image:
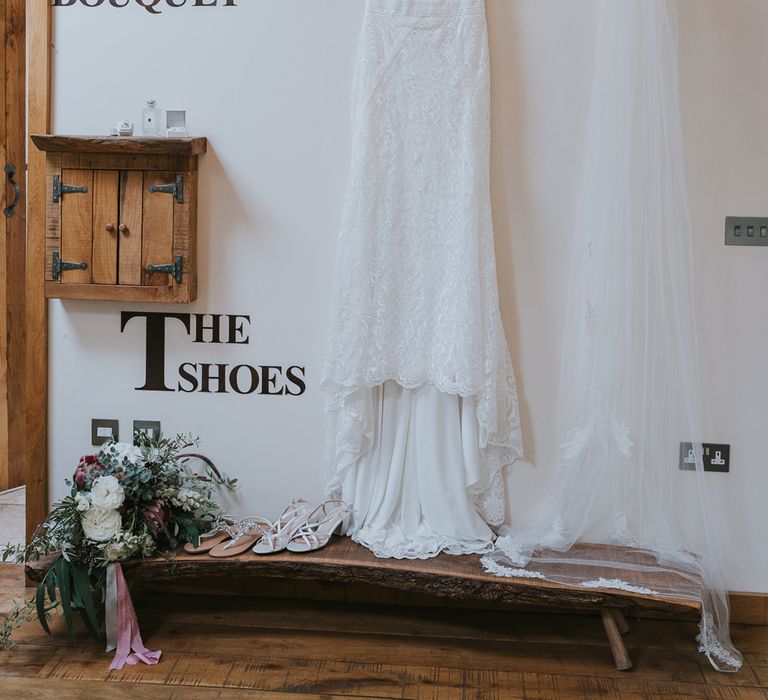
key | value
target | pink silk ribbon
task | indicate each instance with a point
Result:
(123, 632)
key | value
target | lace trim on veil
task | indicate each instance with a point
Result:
(709, 642)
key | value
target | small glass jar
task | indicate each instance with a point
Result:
(150, 123)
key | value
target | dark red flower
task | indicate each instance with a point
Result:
(86, 465)
(156, 515)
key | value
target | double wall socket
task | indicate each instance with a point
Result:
(151, 428)
(716, 457)
(103, 429)
(746, 230)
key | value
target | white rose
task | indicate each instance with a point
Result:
(101, 525)
(83, 501)
(122, 452)
(107, 493)
(114, 550)
(127, 452)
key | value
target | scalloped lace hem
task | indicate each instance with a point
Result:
(391, 545)
(349, 437)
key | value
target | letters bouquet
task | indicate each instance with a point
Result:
(127, 501)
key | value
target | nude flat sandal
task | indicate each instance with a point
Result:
(223, 528)
(249, 530)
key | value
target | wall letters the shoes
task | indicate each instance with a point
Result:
(208, 378)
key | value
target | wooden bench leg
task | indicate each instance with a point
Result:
(619, 651)
(621, 621)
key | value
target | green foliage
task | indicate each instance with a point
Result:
(162, 503)
(68, 588)
(20, 615)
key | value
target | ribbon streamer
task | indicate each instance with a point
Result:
(123, 632)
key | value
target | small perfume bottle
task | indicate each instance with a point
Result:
(150, 123)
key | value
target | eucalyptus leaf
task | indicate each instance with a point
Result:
(82, 583)
(40, 602)
(65, 593)
(50, 582)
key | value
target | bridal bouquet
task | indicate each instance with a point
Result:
(126, 501)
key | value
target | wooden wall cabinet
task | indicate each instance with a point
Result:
(121, 217)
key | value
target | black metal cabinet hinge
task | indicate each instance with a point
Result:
(59, 189)
(175, 268)
(176, 189)
(60, 265)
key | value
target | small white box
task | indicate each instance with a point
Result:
(175, 122)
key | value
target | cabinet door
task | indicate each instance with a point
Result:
(105, 226)
(131, 215)
(77, 225)
(157, 228)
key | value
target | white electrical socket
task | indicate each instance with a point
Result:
(104, 429)
(715, 456)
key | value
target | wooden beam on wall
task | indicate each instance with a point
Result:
(5, 450)
(15, 115)
(39, 33)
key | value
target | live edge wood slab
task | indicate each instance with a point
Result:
(139, 145)
(445, 576)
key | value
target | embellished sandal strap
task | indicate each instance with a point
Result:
(222, 523)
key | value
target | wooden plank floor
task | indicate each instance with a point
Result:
(274, 648)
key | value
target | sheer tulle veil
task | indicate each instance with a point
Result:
(630, 385)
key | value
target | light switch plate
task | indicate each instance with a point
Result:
(746, 230)
(150, 427)
(103, 429)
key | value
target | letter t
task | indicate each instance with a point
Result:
(155, 353)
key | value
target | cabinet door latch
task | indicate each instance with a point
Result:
(60, 265)
(10, 172)
(174, 268)
(176, 189)
(60, 189)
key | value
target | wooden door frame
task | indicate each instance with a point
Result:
(39, 42)
(12, 243)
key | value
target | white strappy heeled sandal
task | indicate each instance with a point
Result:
(276, 539)
(331, 517)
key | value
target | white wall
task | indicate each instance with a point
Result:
(268, 82)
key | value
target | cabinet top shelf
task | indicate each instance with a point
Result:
(156, 145)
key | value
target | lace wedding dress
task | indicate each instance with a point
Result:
(629, 401)
(421, 394)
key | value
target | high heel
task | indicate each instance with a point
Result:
(248, 531)
(329, 518)
(276, 539)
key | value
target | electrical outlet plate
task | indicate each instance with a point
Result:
(746, 230)
(103, 429)
(151, 427)
(716, 457)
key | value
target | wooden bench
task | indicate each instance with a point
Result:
(444, 578)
